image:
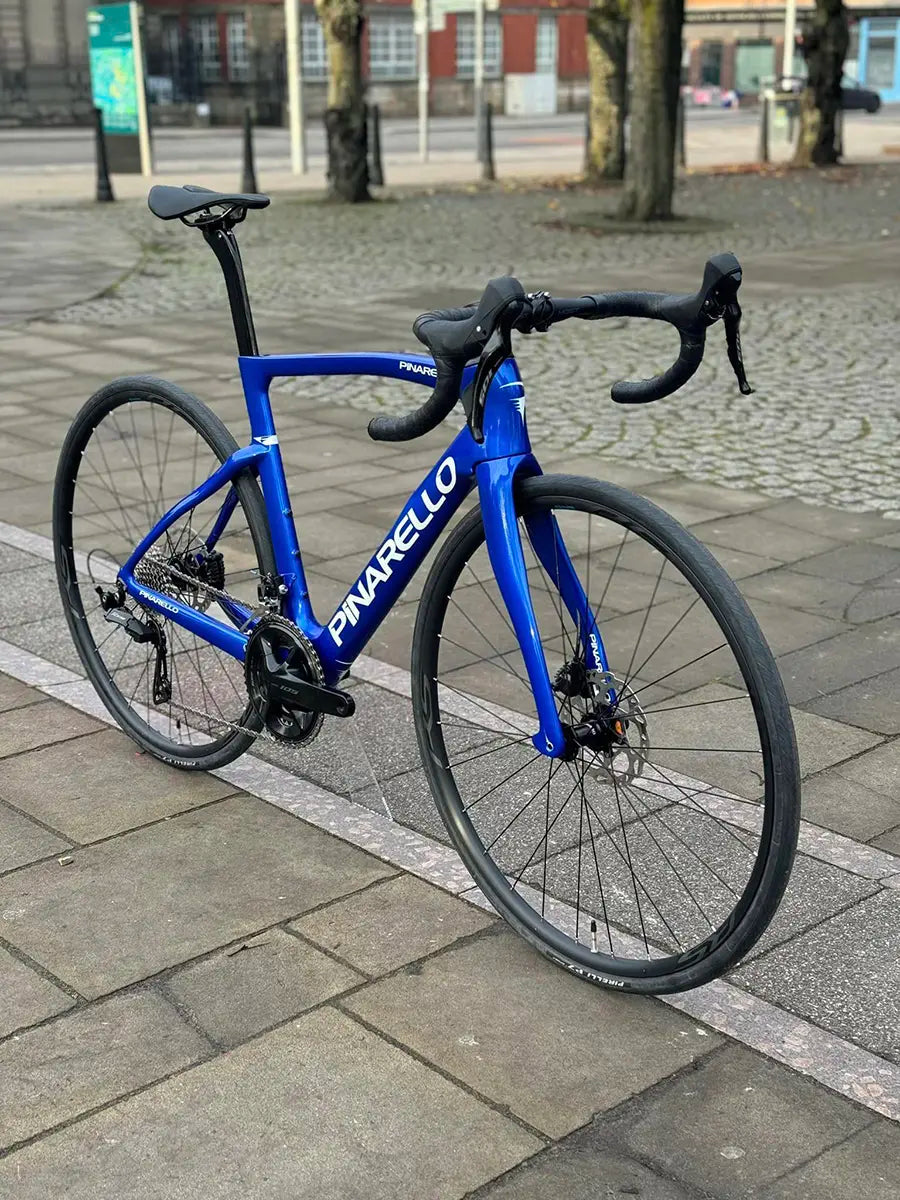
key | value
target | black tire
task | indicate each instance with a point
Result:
(777, 802)
(106, 486)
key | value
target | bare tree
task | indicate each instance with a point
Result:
(607, 54)
(656, 79)
(345, 116)
(825, 41)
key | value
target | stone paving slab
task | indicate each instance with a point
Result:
(77, 786)
(577, 1170)
(21, 840)
(889, 841)
(87, 1058)
(27, 996)
(733, 1125)
(860, 563)
(866, 1164)
(390, 924)
(319, 1110)
(873, 703)
(832, 800)
(12, 559)
(837, 663)
(22, 730)
(509, 1024)
(256, 984)
(818, 975)
(179, 888)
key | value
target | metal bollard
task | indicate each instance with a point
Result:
(248, 178)
(487, 142)
(104, 183)
(376, 167)
(680, 155)
(839, 132)
(763, 153)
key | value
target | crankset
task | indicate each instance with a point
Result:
(286, 684)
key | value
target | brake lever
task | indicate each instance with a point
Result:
(732, 320)
(536, 315)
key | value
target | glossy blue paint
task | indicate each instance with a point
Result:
(495, 489)
(494, 463)
(549, 546)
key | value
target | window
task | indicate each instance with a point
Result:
(882, 52)
(170, 41)
(314, 60)
(753, 62)
(392, 46)
(545, 45)
(205, 36)
(710, 64)
(465, 44)
(238, 52)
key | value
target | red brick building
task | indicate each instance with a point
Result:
(224, 53)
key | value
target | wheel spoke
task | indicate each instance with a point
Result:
(642, 857)
(120, 480)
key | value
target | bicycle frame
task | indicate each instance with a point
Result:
(492, 464)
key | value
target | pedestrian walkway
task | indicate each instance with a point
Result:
(206, 995)
(728, 141)
(258, 983)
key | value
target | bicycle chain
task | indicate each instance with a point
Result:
(220, 594)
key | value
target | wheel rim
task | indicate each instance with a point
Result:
(665, 862)
(136, 459)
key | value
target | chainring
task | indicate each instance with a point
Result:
(294, 649)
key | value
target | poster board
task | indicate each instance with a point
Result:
(117, 85)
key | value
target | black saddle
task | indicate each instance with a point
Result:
(170, 202)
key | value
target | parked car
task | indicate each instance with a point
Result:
(855, 96)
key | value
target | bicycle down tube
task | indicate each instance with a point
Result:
(492, 464)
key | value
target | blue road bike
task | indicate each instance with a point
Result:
(599, 720)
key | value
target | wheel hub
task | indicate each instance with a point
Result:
(613, 728)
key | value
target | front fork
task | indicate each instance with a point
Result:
(496, 482)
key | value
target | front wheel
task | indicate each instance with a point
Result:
(650, 860)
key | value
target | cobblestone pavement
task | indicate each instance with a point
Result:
(202, 1042)
(819, 332)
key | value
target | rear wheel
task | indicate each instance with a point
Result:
(136, 448)
(650, 861)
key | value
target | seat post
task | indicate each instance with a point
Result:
(220, 236)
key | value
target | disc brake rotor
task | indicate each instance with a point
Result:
(625, 760)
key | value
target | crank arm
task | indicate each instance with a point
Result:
(314, 697)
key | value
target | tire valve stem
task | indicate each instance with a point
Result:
(593, 936)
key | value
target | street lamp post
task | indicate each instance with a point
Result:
(790, 30)
(422, 19)
(478, 76)
(295, 86)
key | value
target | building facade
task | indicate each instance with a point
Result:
(207, 59)
(731, 45)
(226, 53)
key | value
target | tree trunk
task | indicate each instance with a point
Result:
(825, 43)
(345, 116)
(656, 80)
(607, 54)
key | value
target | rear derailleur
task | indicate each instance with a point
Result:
(146, 629)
